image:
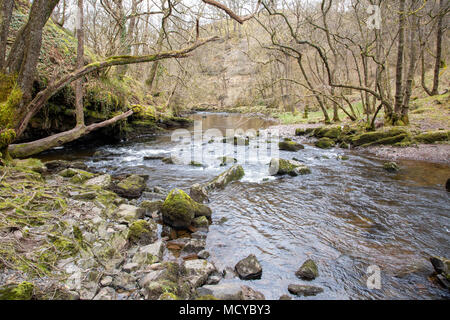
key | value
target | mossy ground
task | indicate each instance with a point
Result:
(34, 232)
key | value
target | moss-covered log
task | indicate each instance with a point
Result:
(28, 149)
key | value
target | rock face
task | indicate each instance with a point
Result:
(131, 187)
(249, 268)
(179, 210)
(291, 167)
(198, 193)
(447, 185)
(290, 146)
(304, 290)
(308, 271)
(235, 173)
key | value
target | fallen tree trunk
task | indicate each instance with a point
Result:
(31, 148)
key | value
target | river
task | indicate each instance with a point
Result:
(346, 215)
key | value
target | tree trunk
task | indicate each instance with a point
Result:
(440, 32)
(28, 149)
(7, 7)
(400, 58)
(412, 67)
(79, 107)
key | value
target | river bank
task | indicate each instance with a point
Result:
(436, 153)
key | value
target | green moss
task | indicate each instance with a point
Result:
(325, 143)
(371, 137)
(168, 296)
(178, 209)
(206, 297)
(389, 140)
(290, 146)
(433, 136)
(23, 291)
(138, 230)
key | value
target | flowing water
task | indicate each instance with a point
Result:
(346, 215)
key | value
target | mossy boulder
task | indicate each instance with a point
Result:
(235, 173)
(325, 143)
(22, 291)
(179, 209)
(328, 132)
(432, 136)
(379, 137)
(142, 232)
(308, 271)
(293, 168)
(290, 146)
(131, 187)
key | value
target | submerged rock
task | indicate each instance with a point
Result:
(179, 209)
(199, 194)
(131, 187)
(249, 268)
(391, 167)
(304, 290)
(291, 167)
(235, 173)
(290, 146)
(308, 271)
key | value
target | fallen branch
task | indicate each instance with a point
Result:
(28, 149)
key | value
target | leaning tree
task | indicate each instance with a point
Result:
(18, 69)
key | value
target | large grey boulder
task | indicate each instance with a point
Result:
(249, 268)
